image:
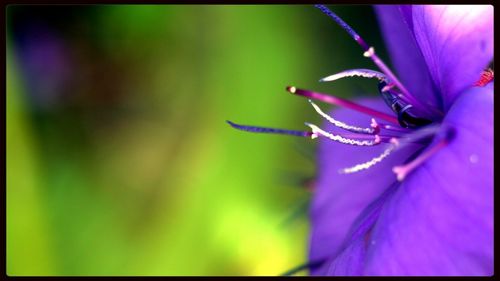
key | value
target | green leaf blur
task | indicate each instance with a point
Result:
(122, 163)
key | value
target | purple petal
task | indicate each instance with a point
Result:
(397, 29)
(457, 44)
(340, 198)
(440, 220)
(350, 260)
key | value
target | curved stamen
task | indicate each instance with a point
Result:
(256, 129)
(366, 73)
(340, 124)
(316, 131)
(369, 52)
(387, 71)
(342, 102)
(373, 161)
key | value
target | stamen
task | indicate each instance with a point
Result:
(378, 159)
(366, 73)
(256, 129)
(342, 102)
(486, 77)
(369, 52)
(403, 170)
(405, 94)
(316, 131)
(340, 124)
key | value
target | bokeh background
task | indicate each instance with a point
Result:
(119, 159)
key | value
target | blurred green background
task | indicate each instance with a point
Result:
(119, 159)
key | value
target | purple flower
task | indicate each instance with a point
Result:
(405, 184)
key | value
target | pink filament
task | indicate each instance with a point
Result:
(342, 102)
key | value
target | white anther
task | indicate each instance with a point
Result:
(316, 131)
(366, 73)
(370, 52)
(340, 124)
